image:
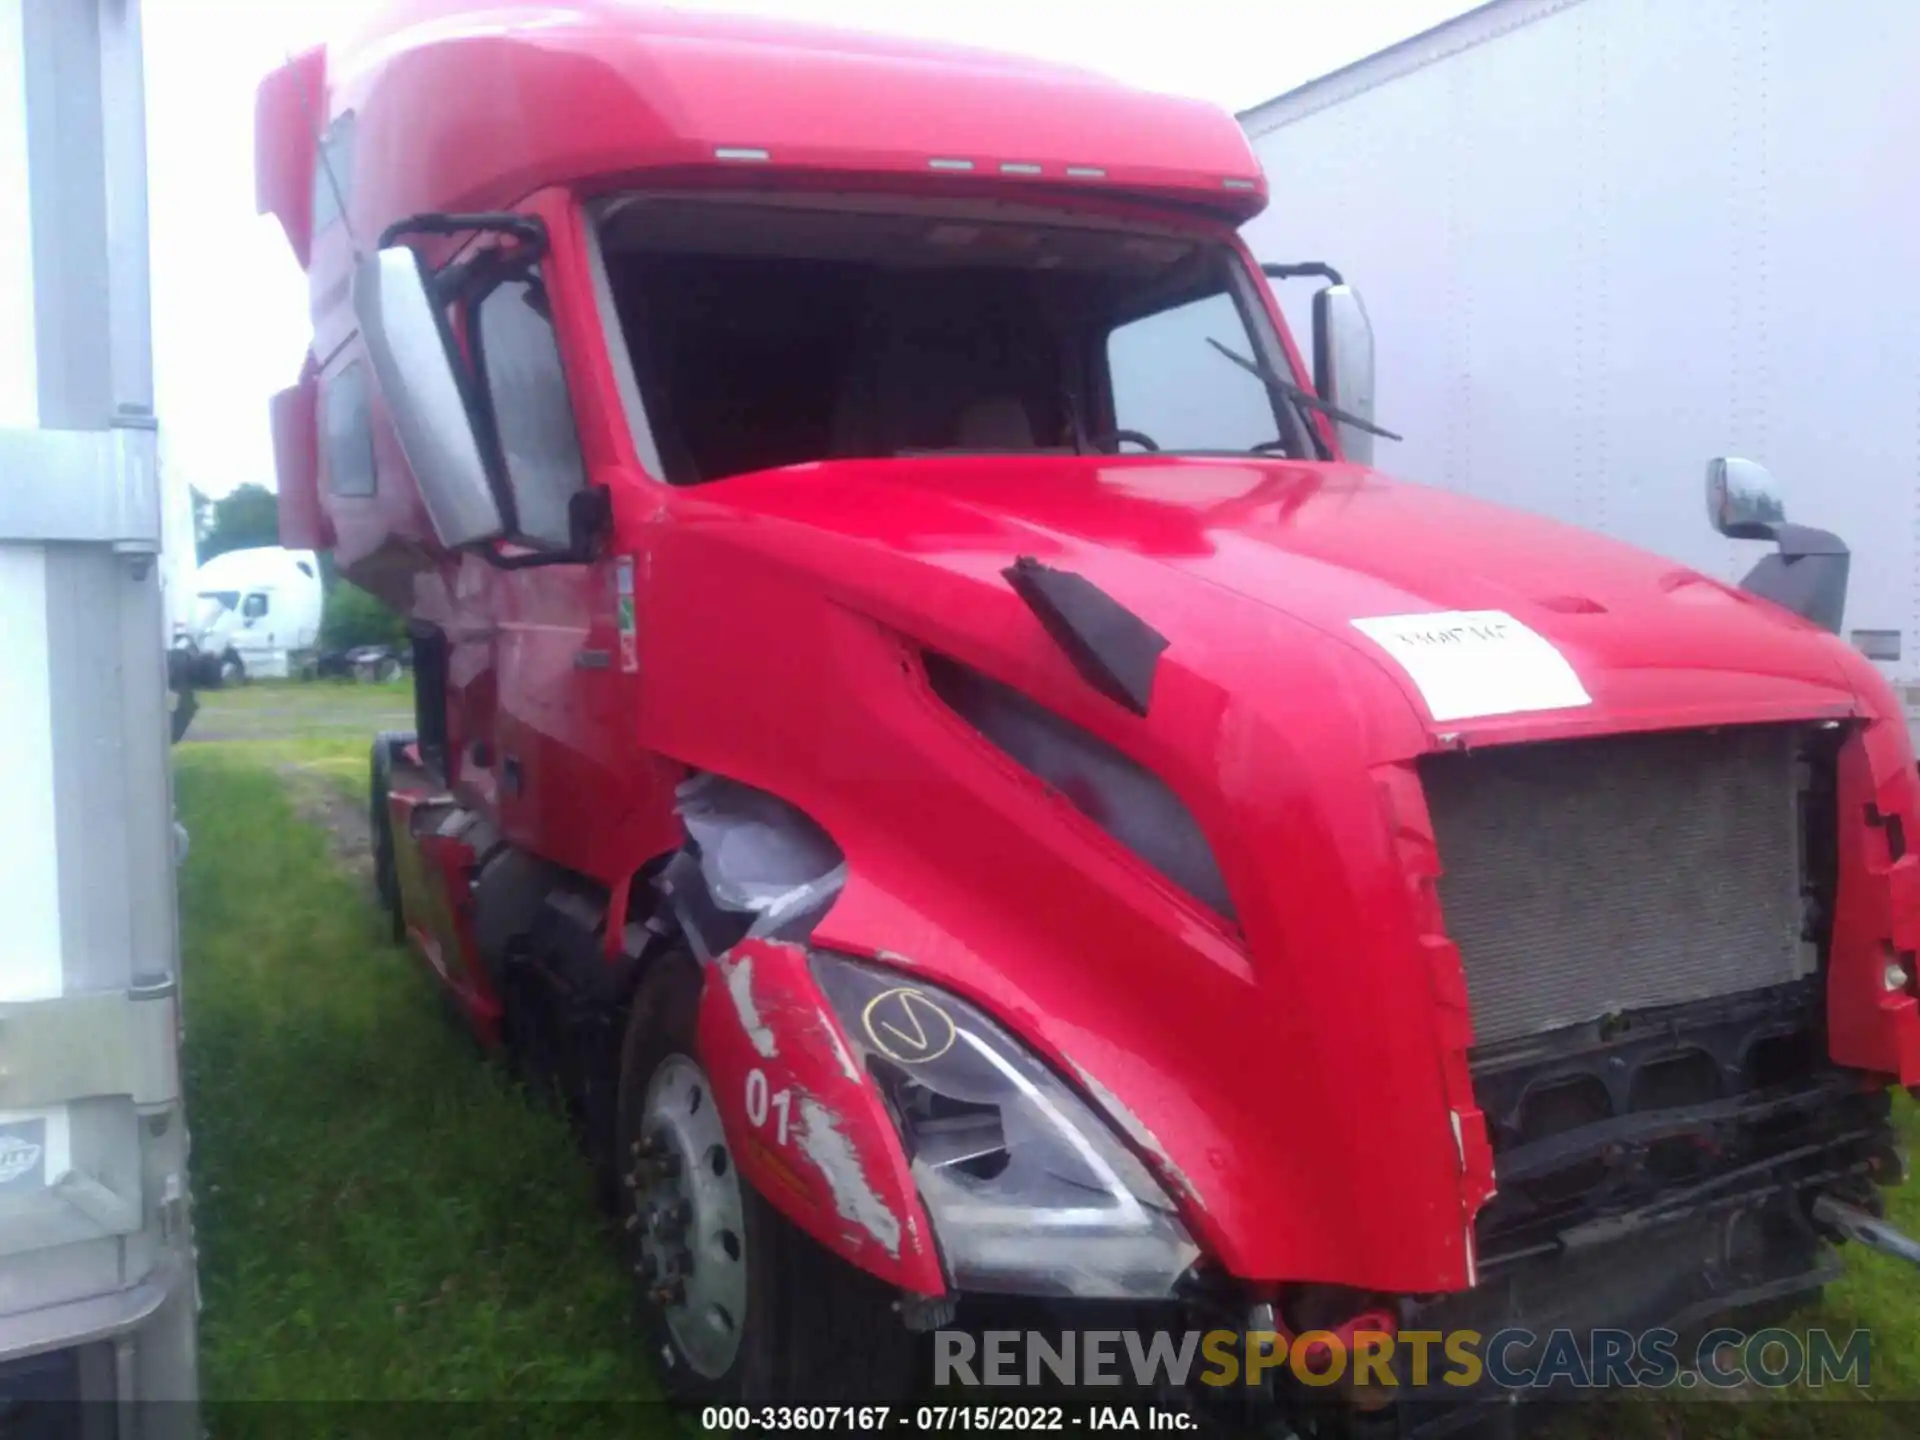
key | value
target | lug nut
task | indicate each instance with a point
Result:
(671, 1293)
(647, 1268)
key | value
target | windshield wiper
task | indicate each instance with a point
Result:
(1298, 396)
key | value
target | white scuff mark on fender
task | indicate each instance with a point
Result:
(896, 959)
(1138, 1133)
(740, 987)
(1469, 664)
(833, 1156)
(1459, 1139)
(840, 1051)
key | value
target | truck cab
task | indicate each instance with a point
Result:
(257, 614)
(932, 737)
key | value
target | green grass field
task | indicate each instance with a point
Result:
(383, 1216)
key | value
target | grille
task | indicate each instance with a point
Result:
(1587, 877)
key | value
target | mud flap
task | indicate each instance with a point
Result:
(806, 1126)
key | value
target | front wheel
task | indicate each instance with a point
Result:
(737, 1305)
(232, 672)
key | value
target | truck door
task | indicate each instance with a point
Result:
(254, 639)
(566, 678)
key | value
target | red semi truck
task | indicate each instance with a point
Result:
(932, 737)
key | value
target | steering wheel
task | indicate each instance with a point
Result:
(1114, 437)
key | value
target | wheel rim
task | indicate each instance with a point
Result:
(690, 1217)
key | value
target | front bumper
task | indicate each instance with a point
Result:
(1684, 1277)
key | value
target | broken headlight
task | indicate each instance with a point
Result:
(1030, 1191)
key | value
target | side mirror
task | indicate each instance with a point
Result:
(414, 362)
(1743, 499)
(1808, 572)
(1343, 364)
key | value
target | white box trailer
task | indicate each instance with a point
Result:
(1602, 241)
(97, 1282)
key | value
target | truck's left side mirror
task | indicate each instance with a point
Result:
(418, 371)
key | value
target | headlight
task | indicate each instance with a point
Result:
(1030, 1191)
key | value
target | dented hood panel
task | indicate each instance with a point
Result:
(1298, 1079)
(1653, 643)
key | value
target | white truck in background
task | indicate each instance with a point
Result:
(1604, 240)
(98, 1290)
(256, 615)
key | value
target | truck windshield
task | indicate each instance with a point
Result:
(765, 334)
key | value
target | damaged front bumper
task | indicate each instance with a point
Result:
(1678, 1277)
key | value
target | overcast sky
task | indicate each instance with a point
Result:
(229, 304)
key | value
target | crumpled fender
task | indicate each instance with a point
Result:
(806, 1126)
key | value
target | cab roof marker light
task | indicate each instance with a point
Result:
(1018, 167)
(1233, 183)
(938, 164)
(740, 152)
(1086, 172)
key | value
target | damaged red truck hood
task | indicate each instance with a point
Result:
(1299, 1078)
(1656, 644)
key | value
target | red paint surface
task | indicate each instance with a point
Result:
(435, 874)
(1302, 1073)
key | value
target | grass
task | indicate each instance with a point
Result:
(382, 1216)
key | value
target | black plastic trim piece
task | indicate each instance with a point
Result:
(1114, 650)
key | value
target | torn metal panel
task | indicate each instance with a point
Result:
(757, 866)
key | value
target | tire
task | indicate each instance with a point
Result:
(386, 879)
(232, 671)
(810, 1328)
(386, 671)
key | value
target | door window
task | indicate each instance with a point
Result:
(255, 608)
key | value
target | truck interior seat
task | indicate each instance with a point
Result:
(941, 362)
(996, 422)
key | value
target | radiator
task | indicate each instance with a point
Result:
(1586, 877)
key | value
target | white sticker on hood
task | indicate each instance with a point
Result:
(1468, 664)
